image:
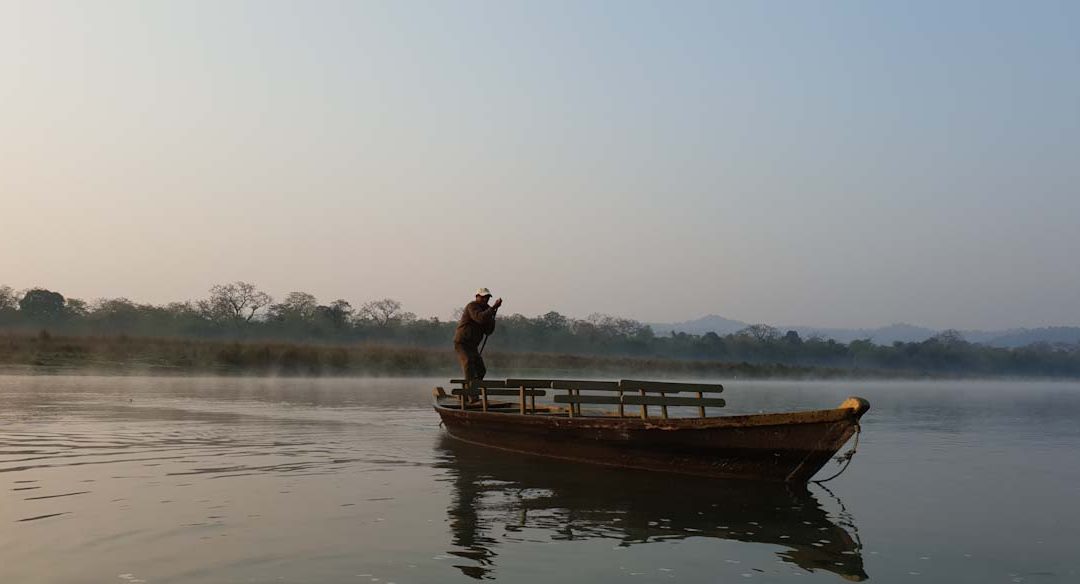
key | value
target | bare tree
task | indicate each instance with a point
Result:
(949, 338)
(384, 312)
(762, 333)
(9, 300)
(237, 302)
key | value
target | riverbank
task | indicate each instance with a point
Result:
(44, 353)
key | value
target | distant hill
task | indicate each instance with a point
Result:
(699, 326)
(1022, 337)
(884, 335)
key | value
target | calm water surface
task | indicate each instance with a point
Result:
(121, 479)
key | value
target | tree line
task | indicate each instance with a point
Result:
(240, 311)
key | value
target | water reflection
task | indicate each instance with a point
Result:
(524, 496)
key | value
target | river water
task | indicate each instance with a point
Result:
(144, 479)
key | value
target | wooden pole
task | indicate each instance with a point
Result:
(532, 403)
(483, 398)
(622, 412)
(571, 404)
(663, 407)
(522, 400)
(701, 409)
(644, 408)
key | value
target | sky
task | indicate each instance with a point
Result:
(820, 163)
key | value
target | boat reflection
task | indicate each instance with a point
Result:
(498, 491)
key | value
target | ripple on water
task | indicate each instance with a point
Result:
(46, 516)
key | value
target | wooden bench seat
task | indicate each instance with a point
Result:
(531, 388)
(575, 400)
(668, 386)
(488, 383)
(476, 392)
(655, 400)
(588, 399)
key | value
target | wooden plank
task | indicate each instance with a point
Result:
(611, 386)
(587, 385)
(545, 383)
(631, 400)
(586, 399)
(488, 383)
(491, 383)
(475, 392)
(655, 400)
(580, 384)
(669, 387)
(528, 392)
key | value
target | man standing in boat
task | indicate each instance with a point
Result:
(477, 321)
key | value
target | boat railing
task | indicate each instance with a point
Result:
(628, 392)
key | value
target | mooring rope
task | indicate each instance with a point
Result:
(846, 457)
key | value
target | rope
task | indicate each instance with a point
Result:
(845, 458)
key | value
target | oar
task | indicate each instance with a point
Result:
(484, 344)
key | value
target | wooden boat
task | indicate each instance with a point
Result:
(789, 447)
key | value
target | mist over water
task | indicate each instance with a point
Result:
(144, 479)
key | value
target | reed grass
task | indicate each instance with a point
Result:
(45, 353)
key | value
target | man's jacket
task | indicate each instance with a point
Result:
(477, 320)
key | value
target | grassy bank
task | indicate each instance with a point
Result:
(45, 353)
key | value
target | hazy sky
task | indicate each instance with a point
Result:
(824, 163)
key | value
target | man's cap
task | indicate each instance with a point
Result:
(483, 292)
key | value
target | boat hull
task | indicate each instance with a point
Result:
(788, 447)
